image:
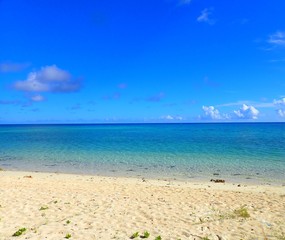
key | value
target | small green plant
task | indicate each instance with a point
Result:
(67, 236)
(158, 238)
(134, 235)
(146, 234)
(226, 216)
(242, 212)
(43, 208)
(67, 222)
(55, 202)
(205, 238)
(19, 232)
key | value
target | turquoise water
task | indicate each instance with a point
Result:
(241, 151)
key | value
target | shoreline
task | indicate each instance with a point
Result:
(238, 184)
(236, 179)
(96, 207)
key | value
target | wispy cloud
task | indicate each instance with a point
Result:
(135, 100)
(191, 102)
(277, 39)
(122, 85)
(279, 102)
(37, 98)
(8, 102)
(49, 79)
(153, 98)
(247, 102)
(185, 2)
(211, 83)
(205, 16)
(22, 104)
(170, 105)
(114, 96)
(6, 67)
(206, 82)
(156, 98)
(231, 104)
(26, 104)
(77, 106)
(277, 60)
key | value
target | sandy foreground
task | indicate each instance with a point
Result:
(51, 206)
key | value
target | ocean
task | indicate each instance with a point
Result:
(247, 152)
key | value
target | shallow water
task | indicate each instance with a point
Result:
(235, 151)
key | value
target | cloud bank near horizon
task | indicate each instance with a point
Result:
(246, 112)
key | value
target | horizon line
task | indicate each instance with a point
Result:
(140, 123)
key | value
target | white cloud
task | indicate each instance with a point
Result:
(247, 112)
(205, 16)
(277, 39)
(37, 98)
(170, 117)
(281, 112)
(48, 79)
(211, 112)
(279, 102)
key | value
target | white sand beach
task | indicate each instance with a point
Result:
(55, 206)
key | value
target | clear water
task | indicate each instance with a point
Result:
(244, 151)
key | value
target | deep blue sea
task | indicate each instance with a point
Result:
(251, 152)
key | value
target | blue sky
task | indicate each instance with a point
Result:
(142, 61)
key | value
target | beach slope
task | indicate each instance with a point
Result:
(55, 206)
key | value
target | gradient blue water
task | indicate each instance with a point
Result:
(251, 151)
